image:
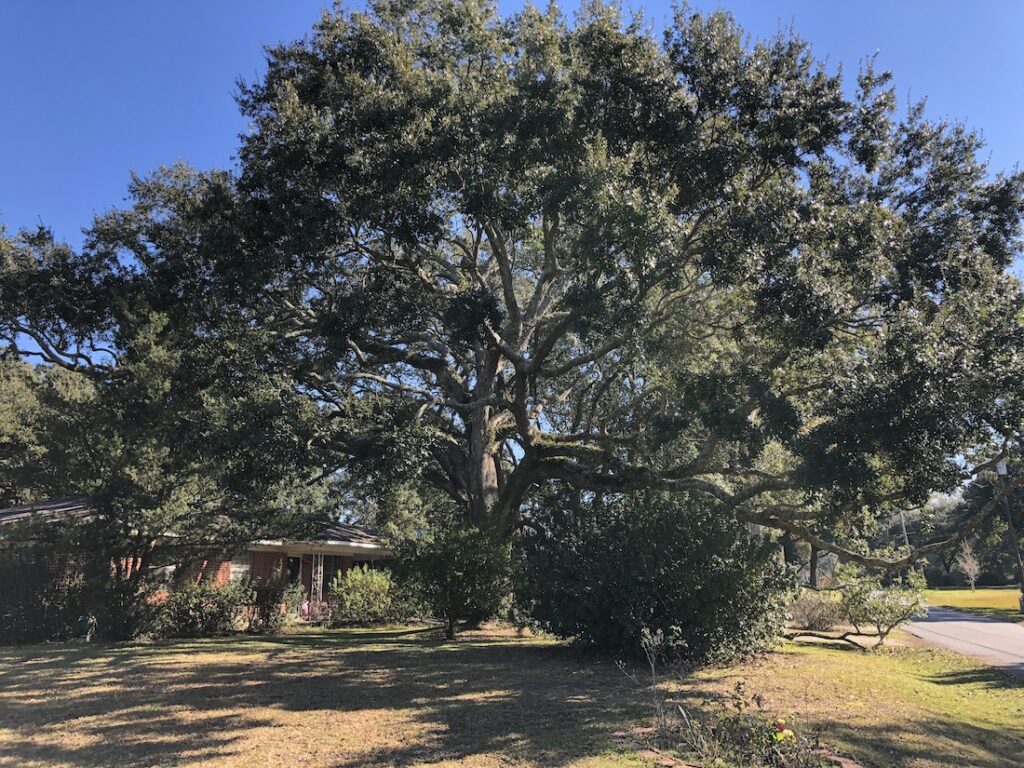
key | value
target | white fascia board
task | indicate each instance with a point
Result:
(328, 547)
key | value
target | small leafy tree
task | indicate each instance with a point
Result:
(270, 603)
(968, 564)
(868, 602)
(872, 608)
(461, 572)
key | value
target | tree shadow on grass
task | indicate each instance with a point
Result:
(1003, 678)
(347, 698)
(375, 698)
(938, 742)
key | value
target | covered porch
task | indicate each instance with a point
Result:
(316, 562)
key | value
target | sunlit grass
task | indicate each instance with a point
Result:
(996, 603)
(906, 706)
(391, 696)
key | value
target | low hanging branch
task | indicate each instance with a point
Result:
(914, 555)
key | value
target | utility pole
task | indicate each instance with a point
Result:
(1014, 539)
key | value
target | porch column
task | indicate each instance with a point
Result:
(317, 587)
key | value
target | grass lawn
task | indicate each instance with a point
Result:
(996, 603)
(344, 699)
(405, 698)
(906, 706)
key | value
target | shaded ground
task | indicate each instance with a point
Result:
(404, 698)
(993, 602)
(342, 699)
(999, 643)
(913, 707)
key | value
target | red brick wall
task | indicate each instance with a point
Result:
(220, 572)
(266, 565)
(214, 571)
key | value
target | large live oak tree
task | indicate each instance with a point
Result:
(498, 253)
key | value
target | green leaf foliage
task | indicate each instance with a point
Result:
(365, 595)
(460, 572)
(602, 571)
(487, 254)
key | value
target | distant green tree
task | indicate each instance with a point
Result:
(20, 449)
(998, 550)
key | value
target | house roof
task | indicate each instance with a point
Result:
(348, 534)
(55, 509)
(333, 538)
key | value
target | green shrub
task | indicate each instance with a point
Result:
(123, 609)
(202, 610)
(37, 605)
(868, 603)
(460, 572)
(61, 602)
(362, 595)
(271, 601)
(601, 570)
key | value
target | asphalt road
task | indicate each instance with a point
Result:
(998, 643)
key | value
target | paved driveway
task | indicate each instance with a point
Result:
(998, 643)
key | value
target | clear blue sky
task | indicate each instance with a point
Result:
(92, 90)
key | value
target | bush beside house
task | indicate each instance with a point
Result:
(201, 609)
(364, 595)
(34, 609)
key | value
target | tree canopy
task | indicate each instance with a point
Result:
(497, 253)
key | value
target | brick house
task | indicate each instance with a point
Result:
(313, 561)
